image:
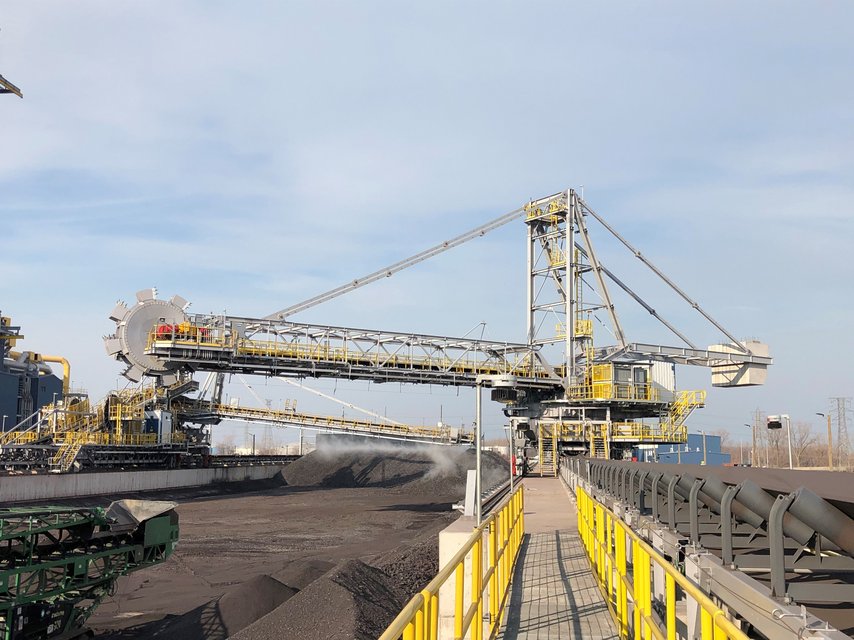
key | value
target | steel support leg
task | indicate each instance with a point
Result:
(726, 524)
(671, 502)
(694, 511)
(777, 543)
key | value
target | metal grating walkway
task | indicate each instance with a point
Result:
(554, 594)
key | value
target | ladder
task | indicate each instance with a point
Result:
(66, 455)
(682, 407)
(599, 446)
(548, 450)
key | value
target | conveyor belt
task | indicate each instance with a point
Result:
(791, 530)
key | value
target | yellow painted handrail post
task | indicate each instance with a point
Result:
(647, 595)
(591, 531)
(503, 577)
(600, 539)
(477, 592)
(493, 578)
(608, 554)
(670, 593)
(706, 632)
(594, 539)
(508, 544)
(460, 590)
(623, 590)
(636, 589)
(419, 624)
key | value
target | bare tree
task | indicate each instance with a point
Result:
(775, 439)
(724, 435)
(226, 447)
(803, 444)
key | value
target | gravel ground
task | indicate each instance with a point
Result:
(349, 539)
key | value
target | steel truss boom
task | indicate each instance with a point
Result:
(266, 347)
(397, 266)
(679, 355)
(334, 424)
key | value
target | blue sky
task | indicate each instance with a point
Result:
(249, 156)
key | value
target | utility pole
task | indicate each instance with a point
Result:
(753, 446)
(843, 445)
(829, 441)
(757, 420)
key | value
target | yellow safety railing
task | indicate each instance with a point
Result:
(614, 391)
(490, 564)
(520, 364)
(622, 563)
(18, 437)
(643, 432)
(104, 438)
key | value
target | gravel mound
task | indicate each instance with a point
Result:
(353, 601)
(412, 567)
(298, 574)
(228, 614)
(439, 471)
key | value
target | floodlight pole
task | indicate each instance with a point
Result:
(478, 505)
(490, 381)
(829, 442)
(753, 444)
(510, 453)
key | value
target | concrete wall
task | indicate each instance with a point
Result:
(74, 485)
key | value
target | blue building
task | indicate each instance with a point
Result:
(692, 452)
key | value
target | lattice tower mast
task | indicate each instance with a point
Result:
(843, 444)
(559, 254)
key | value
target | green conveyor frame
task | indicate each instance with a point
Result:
(58, 563)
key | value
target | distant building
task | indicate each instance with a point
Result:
(689, 453)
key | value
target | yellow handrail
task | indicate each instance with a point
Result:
(504, 528)
(510, 363)
(104, 438)
(606, 538)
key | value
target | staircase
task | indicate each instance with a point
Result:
(548, 450)
(682, 406)
(599, 447)
(66, 454)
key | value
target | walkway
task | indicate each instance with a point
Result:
(554, 594)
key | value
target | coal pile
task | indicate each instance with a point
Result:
(333, 550)
(354, 601)
(224, 616)
(438, 471)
